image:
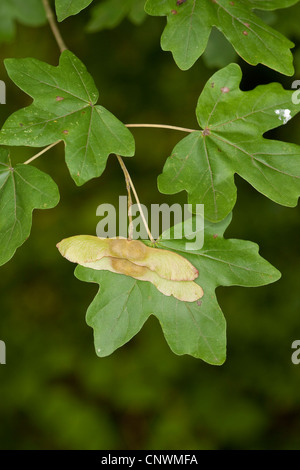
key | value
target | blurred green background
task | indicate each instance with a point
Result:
(54, 391)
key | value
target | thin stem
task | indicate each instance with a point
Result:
(40, 153)
(54, 27)
(130, 230)
(129, 180)
(162, 126)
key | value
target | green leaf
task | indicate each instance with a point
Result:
(66, 8)
(64, 109)
(189, 25)
(123, 304)
(219, 52)
(29, 13)
(287, 21)
(110, 13)
(272, 4)
(233, 121)
(22, 189)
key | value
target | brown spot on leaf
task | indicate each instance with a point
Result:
(206, 131)
(21, 124)
(199, 303)
(180, 2)
(66, 132)
(245, 33)
(247, 24)
(59, 98)
(231, 3)
(215, 236)
(212, 84)
(225, 89)
(174, 12)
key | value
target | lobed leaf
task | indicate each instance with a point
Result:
(22, 189)
(64, 108)
(123, 304)
(233, 121)
(189, 24)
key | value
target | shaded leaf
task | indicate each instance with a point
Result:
(29, 13)
(233, 121)
(109, 13)
(123, 304)
(22, 189)
(66, 8)
(189, 25)
(64, 108)
(218, 52)
(272, 4)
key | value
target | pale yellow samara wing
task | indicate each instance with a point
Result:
(187, 291)
(167, 264)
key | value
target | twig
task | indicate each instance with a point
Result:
(162, 126)
(54, 27)
(129, 180)
(130, 230)
(41, 153)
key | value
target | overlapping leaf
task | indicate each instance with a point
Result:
(66, 8)
(189, 23)
(271, 4)
(64, 108)
(233, 121)
(109, 13)
(22, 189)
(29, 13)
(123, 304)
